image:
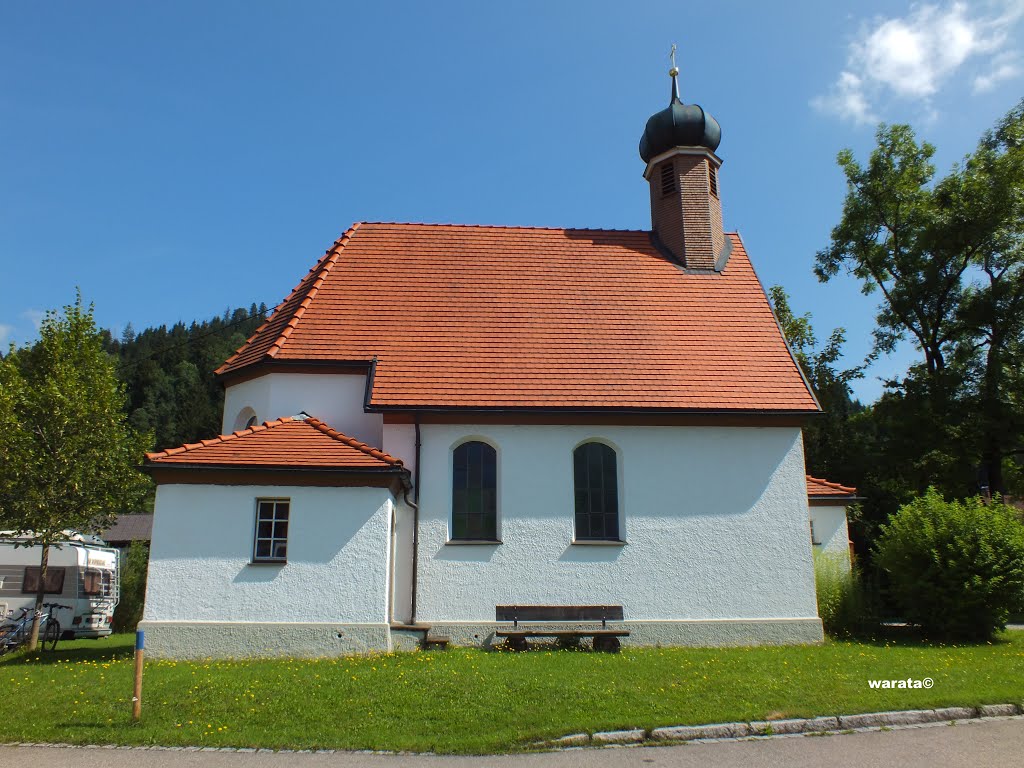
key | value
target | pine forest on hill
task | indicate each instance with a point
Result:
(168, 373)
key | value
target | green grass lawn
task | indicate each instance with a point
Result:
(476, 701)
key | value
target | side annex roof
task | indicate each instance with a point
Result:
(286, 443)
(823, 492)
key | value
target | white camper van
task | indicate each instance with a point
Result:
(81, 573)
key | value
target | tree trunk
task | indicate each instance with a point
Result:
(996, 483)
(44, 560)
(993, 416)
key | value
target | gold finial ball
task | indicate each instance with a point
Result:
(673, 72)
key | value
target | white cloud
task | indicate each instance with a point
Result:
(913, 56)
(847, 100)
(1005, 66)
(35, 316)
(5, 334)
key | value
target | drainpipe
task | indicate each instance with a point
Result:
(415, 521)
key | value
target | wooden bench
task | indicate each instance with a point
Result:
(605, 639)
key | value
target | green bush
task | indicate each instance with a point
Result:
(956, 568)
(841, 599)
(134, 564)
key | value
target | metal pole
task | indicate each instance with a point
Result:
(140, 644)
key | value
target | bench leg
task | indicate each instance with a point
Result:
(516, 643)
(569, 643)
(607, 644)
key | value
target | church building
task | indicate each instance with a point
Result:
(441, 420)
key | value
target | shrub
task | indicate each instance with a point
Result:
(841, 599)
(956, 568)
(134, 564)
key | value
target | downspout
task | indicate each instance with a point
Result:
(415, 521)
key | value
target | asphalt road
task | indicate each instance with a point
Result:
(977, 744)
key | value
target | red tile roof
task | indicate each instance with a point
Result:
(506, 317)
(822, 488)
(285, 443)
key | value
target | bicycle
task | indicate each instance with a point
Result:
(18, 630)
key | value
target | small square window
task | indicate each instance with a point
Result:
(271, 543)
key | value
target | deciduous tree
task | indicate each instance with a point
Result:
(68, 457)
(829, 440)
(947, 257)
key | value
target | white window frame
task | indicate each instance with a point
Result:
(451, 478)
(273, 538)
(620, 493)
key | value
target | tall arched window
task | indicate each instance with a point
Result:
(475, 492)
(597, 492)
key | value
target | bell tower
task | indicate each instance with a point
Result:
(679, 146)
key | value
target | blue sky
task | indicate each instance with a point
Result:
(174, 159)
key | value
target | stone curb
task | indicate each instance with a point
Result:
(679, 733)
(690, 732)
(1000, 710)
(619, 737)
(765, 728)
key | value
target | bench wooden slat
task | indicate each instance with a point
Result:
(558, 613)
(557, 633)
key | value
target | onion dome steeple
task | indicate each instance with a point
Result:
(678, 147)
(679, 125)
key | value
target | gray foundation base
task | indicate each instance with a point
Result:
(201, 640)
(218, 640)
(713, 633)
(405, 640)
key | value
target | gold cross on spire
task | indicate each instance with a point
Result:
(672, 56)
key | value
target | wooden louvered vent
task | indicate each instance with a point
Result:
(668, 179)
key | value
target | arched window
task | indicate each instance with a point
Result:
(475, 491)
(597, 492)
(245, 419)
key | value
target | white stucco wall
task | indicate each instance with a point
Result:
(401, 594)
(334, 398)
(715, 519)
(400, 441)
(200, 566)
(831, 530)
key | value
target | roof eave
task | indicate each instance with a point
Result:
(149, 466)
(835, 501)
(778, 325)
(396, 477)
(258, 367)
(379, 408)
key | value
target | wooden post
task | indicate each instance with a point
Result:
(140, 643)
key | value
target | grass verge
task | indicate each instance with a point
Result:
(472, 701)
